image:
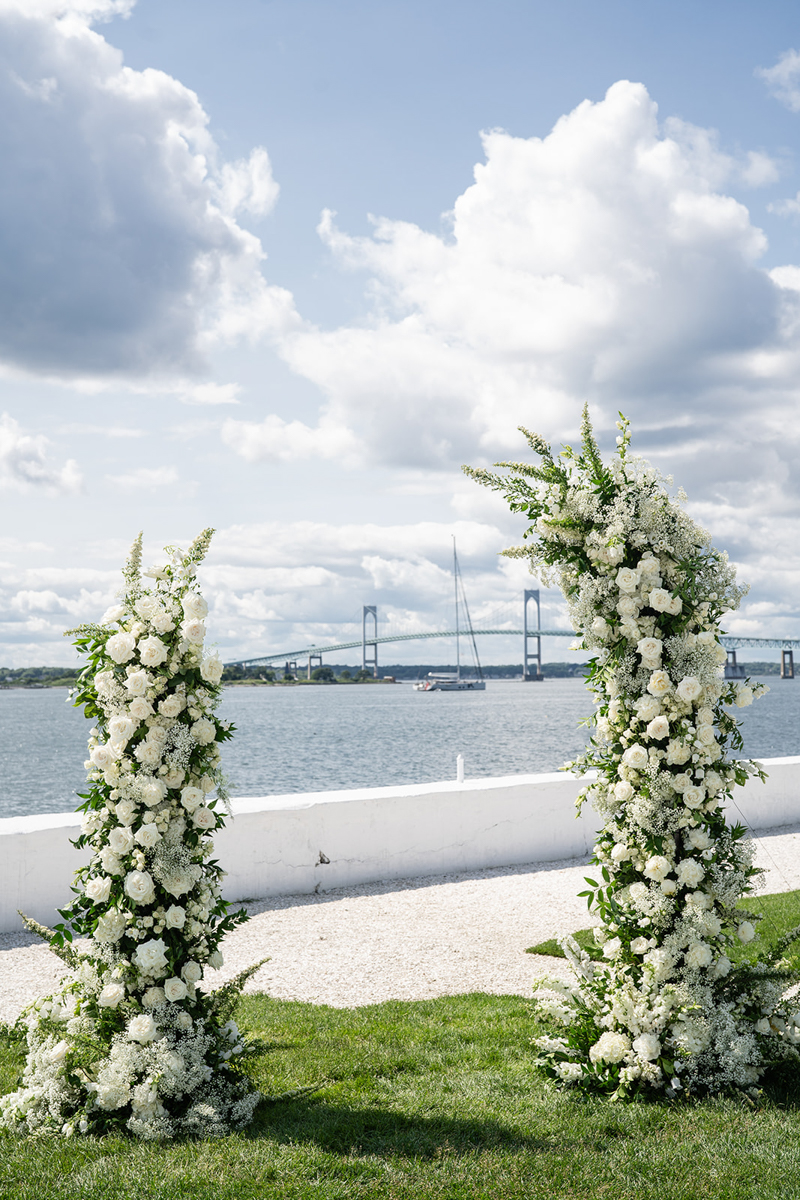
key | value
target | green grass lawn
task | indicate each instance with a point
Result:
(430, 1099)
(780, 913)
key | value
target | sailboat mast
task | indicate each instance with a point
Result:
(455, 588)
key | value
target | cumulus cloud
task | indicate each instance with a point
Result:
(145, 479)
(121, 256)
(276, 440)
(212, 393)
(603, 262)
(783, 80)
(25, 462)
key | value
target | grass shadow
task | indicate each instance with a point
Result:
(355, 1131)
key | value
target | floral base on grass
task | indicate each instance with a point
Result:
(646, 591)
(131, 1041)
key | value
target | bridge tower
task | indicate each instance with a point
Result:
(787, 664)
(531, 659)
(734, 670)
(371, 659)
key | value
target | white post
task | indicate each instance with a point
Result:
(460, 768)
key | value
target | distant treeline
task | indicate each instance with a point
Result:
(67, 676)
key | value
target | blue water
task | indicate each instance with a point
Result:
(302, 739)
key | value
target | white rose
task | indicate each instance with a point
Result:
(140, 708)
(693, 797)
(192, 972)
(109, 861)
(746, 932)
(620, 852)
(161, 621)
(152, 652)
(175, 989)
(640, 945)
(659, 599)
(623, 791)
(111, 995)
(194, 632)
(681, 781)
(191, 797)
(194, 607)
(139, 886)
(678, 753)
(148, 835)
(690, 872)
(690, 689)
(113, 614)
(172, 706)
(211, 670)
(154, 997)
(175, 917)
(600, 627)
(627, 580)
(635, 757)
(215, 959)
(707, 735)
(183, 1020)
(610, 1047)
(121, 839)
(669, 887)
(658, 728)
(721, 968)
(698, 839)
(659, 683)
(675, 606)
(713, 782)
(144, 606)
(744, 696)
(152, 792)
(120, 729)
(58, 1053)
(98, 889)
(627, 607)
(137, 683)
(151, 958)
(649, 649)
(148, 753)
(647, 1046)
(126, 811)
(204, 818)
(120, 647)
(705, 716)
(177, 882)
(174, 777)
(698, 955)
(102, 756)
(657, 868)
(142, 1029)
(204, 731)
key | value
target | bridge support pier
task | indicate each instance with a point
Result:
(369, 659)
(787, 664)
(531, 660)
(314, 660)
(733, 670)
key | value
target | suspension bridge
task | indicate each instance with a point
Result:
(531, 636)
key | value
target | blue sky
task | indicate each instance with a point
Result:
(189, 340)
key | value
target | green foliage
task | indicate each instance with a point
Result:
(323, 675)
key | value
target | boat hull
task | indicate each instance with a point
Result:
(450, 685)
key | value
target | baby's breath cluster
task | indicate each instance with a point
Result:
(132, 1041)
(646, 591)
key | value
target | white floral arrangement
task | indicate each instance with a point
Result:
(646, 591)
(131, 1041)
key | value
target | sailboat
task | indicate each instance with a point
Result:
(448, 681)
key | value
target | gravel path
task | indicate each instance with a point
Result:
(405, 939)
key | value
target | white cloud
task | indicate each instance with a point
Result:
(145, 479)
(25, 462)
(783, 80)
(212, 393)
(602, 262)
(276, 440)
(120, 255)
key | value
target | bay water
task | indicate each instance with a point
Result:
(308, 739)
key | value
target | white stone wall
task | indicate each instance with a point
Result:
(278, 845)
